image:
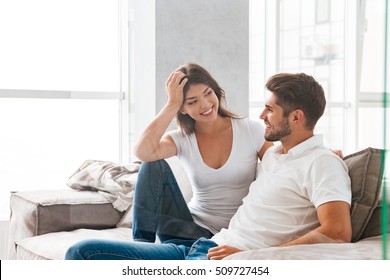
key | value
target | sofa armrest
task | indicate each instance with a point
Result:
(40, 212)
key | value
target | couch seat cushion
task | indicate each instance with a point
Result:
(53, 246)
(365, 249)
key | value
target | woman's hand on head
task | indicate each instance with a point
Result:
(174, 88)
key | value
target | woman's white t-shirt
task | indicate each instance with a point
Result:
(217, 193)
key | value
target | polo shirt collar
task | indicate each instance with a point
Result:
(314, 141)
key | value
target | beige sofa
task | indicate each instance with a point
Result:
(44, 223)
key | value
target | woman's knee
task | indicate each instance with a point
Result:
(155, 171)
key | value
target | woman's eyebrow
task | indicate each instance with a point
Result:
(194, 97)
(189, 98)
(206, 89)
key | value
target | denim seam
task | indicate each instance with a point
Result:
(88, 257)
(158, 195)
(196, 245)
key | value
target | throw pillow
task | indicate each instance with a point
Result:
(366, 172)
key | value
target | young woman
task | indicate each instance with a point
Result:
(218, 150)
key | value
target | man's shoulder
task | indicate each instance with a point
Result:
(320, 152)
(323, 156)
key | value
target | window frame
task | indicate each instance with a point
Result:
(355, 98)
(354, 24)
(123, 95)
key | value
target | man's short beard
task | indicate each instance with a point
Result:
(282, 132)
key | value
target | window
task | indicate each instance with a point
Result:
(63, 91)
(373, 111)
(310, 39)
(344, 52)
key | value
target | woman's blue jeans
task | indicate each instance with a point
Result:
(119, 250)
(160, 208)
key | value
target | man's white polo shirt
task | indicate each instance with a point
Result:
(281, 203)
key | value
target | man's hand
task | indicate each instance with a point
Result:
(338, 153)
(219, 252)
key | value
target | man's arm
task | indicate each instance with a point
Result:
(335, 225)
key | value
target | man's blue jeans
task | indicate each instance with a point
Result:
(117, 250)
(160, 208)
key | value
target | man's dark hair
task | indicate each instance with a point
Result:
(298, 91)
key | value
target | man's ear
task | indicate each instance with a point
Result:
(297, 116)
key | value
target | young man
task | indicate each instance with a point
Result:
(301, 194)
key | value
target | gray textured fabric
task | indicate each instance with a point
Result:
(39, 212)
(366, 173)
(116, 182)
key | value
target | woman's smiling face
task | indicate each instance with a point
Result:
(200, 103)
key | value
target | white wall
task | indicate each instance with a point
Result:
(212, 33)
(168, 33)
(3, 239)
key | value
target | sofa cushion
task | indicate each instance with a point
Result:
(374, 225)
(39, 212)
(53, 246)
(366, 173)
(58, 210)
(367, 249)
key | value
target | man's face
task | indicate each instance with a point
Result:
(276, 126)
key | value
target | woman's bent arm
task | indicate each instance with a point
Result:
(151, 145)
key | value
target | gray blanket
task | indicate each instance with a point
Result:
(115, 182)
